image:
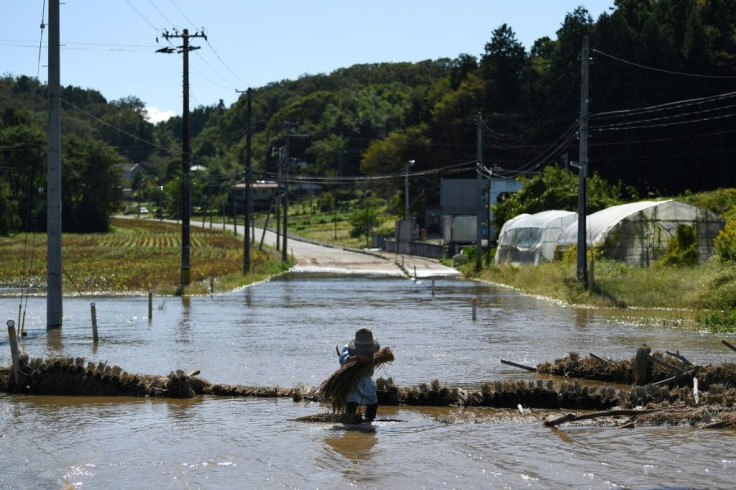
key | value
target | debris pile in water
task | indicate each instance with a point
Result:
(76, 377)
(670, 397)
(653, 368)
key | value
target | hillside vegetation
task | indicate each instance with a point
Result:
(660, 93)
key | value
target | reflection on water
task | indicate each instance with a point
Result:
(283, 332)
(54, 339)
(354, 445)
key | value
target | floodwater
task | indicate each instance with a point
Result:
(282, 333)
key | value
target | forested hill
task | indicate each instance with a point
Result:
(662, 81)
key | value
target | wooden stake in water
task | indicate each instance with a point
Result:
(433, 287)
(212, 285)
(14, 353)
(93, 312)
(475, 303)
(150, 305)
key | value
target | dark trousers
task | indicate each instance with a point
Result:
(370, 410)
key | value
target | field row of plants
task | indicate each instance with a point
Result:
(138, 255)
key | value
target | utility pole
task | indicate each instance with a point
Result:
(248, 209)
(406, 189)
(54, 309)
(278, 202)
(490, 202)
(479, 179)
(582, 269)
(186, 162)
(285, 162)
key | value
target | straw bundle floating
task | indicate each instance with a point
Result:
(336, 389)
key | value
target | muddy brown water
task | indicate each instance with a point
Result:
(284, 332)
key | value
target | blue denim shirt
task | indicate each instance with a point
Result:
(365, 392)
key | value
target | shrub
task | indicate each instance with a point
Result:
(725, 242)
(681, 247)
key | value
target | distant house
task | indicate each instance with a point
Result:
(459, 197)
(128, 173)
(261, 193)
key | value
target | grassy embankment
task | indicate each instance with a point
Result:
(707, 291)
(308, 221)
(138, 255)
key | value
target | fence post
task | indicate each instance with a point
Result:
(14, 353)
(93, 311)
(150, 305)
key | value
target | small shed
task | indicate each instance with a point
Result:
(528, 239)
(637, 233)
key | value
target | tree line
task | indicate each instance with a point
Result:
(660, 101)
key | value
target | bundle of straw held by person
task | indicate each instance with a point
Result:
(336, 389)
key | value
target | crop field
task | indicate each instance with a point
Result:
(137, 255)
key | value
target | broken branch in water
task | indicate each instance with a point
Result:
(730, 346)
(605, 361)
(678, 377)
(608, 413)
(669, 366)
(679, 356)
(521, 366)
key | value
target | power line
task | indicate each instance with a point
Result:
(92, 116)
(214, 51)
(669, 72)
(143, 16)
(665, 106)
(40, 41)
(643, 123)
(160, 13)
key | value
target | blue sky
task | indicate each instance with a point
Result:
(109, 45)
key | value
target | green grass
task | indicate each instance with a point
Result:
(307, 220)
(708, 290)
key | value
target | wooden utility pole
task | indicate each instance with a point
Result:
(54, 310)
(248, 206)
(582, 269)
(186, 162)
(285, 163)
(479, 178)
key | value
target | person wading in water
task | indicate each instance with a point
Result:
(362, 347)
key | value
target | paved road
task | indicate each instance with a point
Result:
(314, 257)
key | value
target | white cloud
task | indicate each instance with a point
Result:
(156, 115)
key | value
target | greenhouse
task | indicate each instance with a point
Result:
(528, 239)
(638, 233)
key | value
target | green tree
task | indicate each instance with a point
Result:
(364, 219)
(9, 219)
(503, 67)
(461, 67)
(557, 188)
(90, 183)
(22, 169)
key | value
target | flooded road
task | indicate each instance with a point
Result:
(283, 333)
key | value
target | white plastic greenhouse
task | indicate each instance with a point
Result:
(531, 238)
(637, 233)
